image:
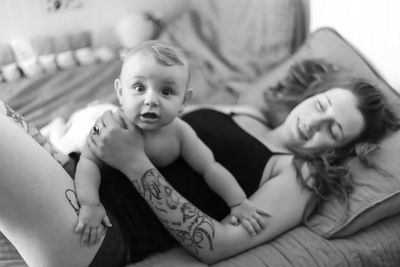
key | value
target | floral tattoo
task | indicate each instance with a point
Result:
(194, 229)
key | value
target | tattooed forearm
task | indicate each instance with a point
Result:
(191, 227)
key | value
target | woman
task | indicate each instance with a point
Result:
(318, 134)
(38, 204)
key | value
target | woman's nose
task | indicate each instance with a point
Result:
(150, 98)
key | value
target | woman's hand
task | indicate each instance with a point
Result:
(117, 141)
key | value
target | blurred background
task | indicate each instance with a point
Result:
(371, 25)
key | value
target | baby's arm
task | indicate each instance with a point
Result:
(201, 159)
(91, 212)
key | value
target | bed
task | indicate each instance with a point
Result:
(368, 234)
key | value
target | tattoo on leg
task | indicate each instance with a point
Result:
(34, 133)
(194, 228)
(72, 199)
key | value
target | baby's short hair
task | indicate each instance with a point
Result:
(164, 53)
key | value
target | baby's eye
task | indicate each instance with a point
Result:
(166, 91)
(139, 87)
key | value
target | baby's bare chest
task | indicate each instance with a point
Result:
(162, 150)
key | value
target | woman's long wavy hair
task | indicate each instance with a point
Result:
(330, 174)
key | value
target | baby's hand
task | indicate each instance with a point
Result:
(249, 216)
(90, 221)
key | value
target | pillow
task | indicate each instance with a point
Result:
(6, 54)
(9, 69)
(66, 60)
(11, 72)
(48, 62)
(82, 44)
(26, 57)
(376, 196)
(31, 67)
(45, 50)
(85, 56)
(64, 52)
(105, 54)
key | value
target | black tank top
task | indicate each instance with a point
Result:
(239, 152)
(243, 155)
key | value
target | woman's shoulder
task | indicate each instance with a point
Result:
(283, 165)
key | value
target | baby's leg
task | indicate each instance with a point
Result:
(37, 203)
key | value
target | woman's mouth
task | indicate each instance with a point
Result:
(303, 130)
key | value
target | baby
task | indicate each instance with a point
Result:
(152, 91)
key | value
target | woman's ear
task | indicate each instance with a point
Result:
(186, 98)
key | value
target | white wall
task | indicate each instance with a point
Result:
(27, 18)
(373, 26)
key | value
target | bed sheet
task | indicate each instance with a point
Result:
(59, 94)
(375, 246)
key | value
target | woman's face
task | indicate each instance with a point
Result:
(324, 121)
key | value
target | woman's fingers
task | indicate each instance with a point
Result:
(92, 144)
(107, 119)
(128, 125)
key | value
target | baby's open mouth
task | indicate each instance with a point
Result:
(149, 116)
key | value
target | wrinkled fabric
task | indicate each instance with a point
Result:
(237, 40)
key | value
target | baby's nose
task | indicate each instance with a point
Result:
(150, 99)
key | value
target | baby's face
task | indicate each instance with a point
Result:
(152, 95)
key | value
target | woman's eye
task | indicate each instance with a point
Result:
(139, 88)
(320, 105)
(166, 92)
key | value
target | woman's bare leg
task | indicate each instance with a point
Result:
(37, 203)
